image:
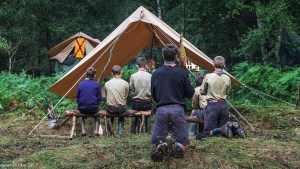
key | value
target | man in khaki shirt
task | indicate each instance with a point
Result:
(140, 90)
(216, 86)
(117, 91)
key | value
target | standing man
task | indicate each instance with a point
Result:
(140, 89)
(216, 85)
(117, 91)
(88, 97)
(170, 85)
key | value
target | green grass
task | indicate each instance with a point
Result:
(270, 146)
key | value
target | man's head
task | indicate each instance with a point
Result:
(90, 73)
(141, 62)
(170, 52)
(116, 70)
(219, 62)
(199, 80)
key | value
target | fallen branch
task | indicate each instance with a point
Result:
(296, 119)
(52, 136)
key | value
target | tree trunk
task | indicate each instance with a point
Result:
(183, 18)
(262, 48)
(278, 46)
(9, 64)
(158, 9)
(11, 51)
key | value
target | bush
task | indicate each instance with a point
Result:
(282, 85)
(19, 90)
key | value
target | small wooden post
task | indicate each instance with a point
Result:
(73, 127)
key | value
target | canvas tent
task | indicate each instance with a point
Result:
(140, 30)
(63, 53)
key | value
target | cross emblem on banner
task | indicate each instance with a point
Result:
(79, 48)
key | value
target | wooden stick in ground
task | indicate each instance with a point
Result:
(73, 127)
(52, 136)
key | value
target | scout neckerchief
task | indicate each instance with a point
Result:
(170, 63)
(117, 76)
(219, 72)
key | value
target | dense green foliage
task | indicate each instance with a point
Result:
(267, 79)
(17, 93)
(254, 31)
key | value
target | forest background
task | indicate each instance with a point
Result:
(259, 39)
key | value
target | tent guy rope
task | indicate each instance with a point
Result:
(231, 105)
(268, 95)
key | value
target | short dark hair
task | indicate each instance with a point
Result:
(170, 52)
(219, 62)
(199, 80)
(116, 70)
(91, 72)
(141, 62)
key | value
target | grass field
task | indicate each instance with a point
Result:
(274, 144)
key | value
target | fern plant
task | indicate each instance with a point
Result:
(282, 85)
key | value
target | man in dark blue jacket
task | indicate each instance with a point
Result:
(88, 98)
(88, 95)
(170, 85)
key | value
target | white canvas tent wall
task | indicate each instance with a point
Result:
(136, 33)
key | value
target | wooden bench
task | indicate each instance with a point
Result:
(108, 127)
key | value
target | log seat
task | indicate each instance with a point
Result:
(108, 127)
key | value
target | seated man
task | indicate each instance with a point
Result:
(88, 95)
(117, 91)
(199, 104)
(140, 89)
